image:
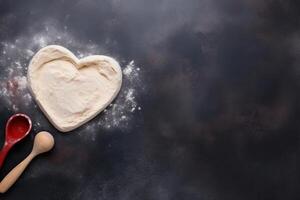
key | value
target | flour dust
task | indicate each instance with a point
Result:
(14, 94)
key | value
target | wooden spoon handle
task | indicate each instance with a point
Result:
(14, 174)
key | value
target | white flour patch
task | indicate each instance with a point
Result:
(129, 68)
(14, 94)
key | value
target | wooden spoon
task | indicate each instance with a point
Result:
(43, 142)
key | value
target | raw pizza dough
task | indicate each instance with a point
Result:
(71, 91)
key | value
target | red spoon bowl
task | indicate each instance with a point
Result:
(17, 128)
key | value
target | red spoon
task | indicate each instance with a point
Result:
(17, 127)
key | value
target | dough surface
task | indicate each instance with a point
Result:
(71, 91)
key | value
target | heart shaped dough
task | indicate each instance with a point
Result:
(71, 91)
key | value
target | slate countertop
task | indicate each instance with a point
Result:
(218, 92)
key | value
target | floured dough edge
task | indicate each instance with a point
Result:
(69, 56)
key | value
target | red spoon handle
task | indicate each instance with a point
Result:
(4, 152)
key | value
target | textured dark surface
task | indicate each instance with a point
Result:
(220, 117)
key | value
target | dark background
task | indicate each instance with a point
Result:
(220, 113)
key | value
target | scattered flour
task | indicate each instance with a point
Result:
(129, 68)
(15, 96)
